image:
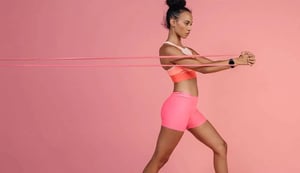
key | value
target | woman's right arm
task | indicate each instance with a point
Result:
(246, 58)
(202, 61)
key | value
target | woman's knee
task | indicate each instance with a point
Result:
(161, 158)
(220, 148)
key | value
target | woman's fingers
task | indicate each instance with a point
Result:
(251, 62)
(248, 57)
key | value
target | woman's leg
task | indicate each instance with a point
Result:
(166, 143)
(207, 134)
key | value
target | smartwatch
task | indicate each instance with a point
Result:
(231, 63)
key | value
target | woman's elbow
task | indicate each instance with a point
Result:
(202, 70)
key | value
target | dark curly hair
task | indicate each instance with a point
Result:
(175, 8)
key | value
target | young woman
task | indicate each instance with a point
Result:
(179, 111)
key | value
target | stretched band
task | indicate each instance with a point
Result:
(107, 58)
(109, 65)
(39, 59)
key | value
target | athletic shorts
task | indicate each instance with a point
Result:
(179, 112)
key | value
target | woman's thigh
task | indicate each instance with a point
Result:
(167, 141)
(207, 134)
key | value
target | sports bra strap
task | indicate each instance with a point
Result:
(168, 42)
(185, 51)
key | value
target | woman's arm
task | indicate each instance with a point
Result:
(221, 64)
(246, 58)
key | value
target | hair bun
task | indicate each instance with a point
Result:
(176, 3)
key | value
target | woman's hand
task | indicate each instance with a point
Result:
(246, 58)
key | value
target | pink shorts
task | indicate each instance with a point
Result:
(179, 112)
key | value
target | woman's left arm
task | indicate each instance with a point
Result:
(212, 69)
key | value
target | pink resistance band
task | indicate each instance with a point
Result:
(101, 59)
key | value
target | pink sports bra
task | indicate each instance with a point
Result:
(178, 73)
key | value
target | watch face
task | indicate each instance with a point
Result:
(231, 62)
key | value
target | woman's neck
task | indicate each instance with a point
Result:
(172, 37)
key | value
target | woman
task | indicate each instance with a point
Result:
(179, 111)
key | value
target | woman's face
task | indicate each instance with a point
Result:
(183, 24)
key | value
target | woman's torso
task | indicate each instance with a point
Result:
(187, 86)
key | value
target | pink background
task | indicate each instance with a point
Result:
(89, 119)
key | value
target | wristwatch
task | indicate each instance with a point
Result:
(231, 63)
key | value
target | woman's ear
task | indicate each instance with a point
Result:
(172, 22)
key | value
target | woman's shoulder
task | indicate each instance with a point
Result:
(166, 49)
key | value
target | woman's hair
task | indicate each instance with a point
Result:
(175, 8)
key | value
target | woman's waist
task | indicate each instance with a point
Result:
(190, 90)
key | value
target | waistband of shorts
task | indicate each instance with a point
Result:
(181, 93)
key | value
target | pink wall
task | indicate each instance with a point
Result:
(72, 119)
